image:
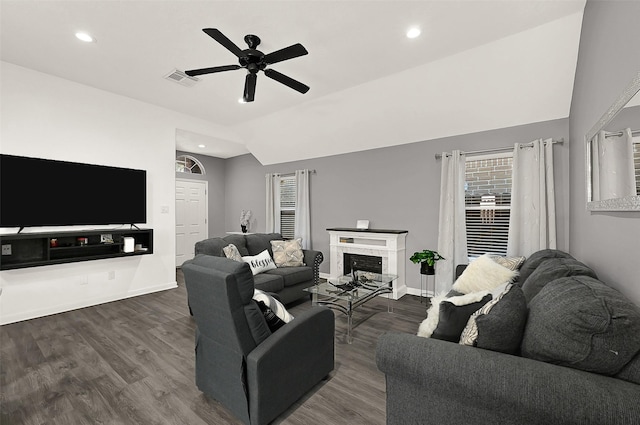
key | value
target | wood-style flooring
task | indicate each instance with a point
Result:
(132, 362)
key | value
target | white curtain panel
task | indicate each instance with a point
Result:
(452, 232)
(302, 218)
(532, 225)
(273, 203)
(613, 168)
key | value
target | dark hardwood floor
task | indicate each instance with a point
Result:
(132, 362)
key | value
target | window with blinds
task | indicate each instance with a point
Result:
(488, 203)
(287, 206)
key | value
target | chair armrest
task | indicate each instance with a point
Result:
(291, 361)
(502, 388)
(314, 259)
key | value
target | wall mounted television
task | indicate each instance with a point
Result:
(44, 192)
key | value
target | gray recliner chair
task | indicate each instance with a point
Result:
(254, 373)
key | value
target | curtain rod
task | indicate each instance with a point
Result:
(619, 133)
(293, 174)
(505, 149)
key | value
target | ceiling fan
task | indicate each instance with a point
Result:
(254, 60)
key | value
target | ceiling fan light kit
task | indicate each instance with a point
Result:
(254, 61)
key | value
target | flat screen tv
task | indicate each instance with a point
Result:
(44, 192)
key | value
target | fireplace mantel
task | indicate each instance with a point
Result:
(384, 243)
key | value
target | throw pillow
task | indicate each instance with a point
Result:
(231, 252)
(260, 263)
(483, 274)
(429, 325)
(453, 318)
(499, 324)
(273, 304)
(288, 253)
(580, 322)
(273, 321)
(512, 263)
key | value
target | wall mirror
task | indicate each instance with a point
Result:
(613, 155)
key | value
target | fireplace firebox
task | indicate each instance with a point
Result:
(367, 263)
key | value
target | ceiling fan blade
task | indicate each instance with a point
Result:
(222, 39)
(194, 72)
(287, 53)
(250, 87)
(287, 81)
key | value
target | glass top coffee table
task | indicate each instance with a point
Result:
(343, 295)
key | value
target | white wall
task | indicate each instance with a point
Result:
(48, 117)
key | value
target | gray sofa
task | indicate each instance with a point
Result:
(578, 360)
(286, 282)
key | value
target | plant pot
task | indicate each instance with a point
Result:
(425, 268)
(244, 228)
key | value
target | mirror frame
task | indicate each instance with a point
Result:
(628, 203)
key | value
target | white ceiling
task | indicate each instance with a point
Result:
(478, 65)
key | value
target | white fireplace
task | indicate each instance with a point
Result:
(389, 245)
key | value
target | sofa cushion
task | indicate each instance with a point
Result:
(631, 371)
(499, 324)
(258, 242)
(535, 259)
(211, 246)
(240, 242)
(483, 274)
(257, 323)
(288, 253)
(268, 282)
(550, 270)
(580, 322)
(293, 275)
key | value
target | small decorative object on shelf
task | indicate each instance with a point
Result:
(427, 260)
(245, 216)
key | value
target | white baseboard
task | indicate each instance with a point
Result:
(62, 308)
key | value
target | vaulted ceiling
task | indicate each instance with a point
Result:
(477, 65)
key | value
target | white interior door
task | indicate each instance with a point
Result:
(191, 217)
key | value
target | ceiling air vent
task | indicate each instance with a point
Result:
(181, 78)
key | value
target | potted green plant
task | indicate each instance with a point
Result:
(427, 260)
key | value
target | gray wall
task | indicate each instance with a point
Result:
(607, 61)
(215, 175)
(394, 188)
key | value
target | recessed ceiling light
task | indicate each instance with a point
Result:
(85, 37)
(201, 146)
(413, 32)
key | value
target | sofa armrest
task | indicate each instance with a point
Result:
(451, 383)
(313, 259)
(290, 362)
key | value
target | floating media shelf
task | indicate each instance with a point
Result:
(41, 249)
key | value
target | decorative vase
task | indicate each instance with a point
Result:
(244, 228)
(425, 268)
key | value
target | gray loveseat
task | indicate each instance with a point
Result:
(578, 361)
(286, 282)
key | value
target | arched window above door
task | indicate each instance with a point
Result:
(189, 164)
